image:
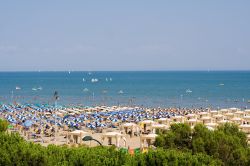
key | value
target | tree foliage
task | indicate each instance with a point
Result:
(14, 150)
(178, 146)
(3, 125)
(227, 143)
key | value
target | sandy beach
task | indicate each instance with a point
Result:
(123, 127)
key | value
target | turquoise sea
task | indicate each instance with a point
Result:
(150, 89)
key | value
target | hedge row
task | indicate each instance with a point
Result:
(16, 151)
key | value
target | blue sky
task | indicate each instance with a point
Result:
(125, 35)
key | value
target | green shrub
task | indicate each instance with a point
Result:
(178, 137)
(3, 125)
(227, 143)
(16, 151)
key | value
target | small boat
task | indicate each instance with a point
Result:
(107, 80)
(248, 101)
(34, 89)
(83, 79)
(188, 91)
(18, 88)
(221, 84)
(39, 88)
(104, 91)
(69, 72)
(94, 80)
(110, 79)
(120, 92)
(85, 90)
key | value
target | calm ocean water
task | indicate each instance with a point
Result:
(153, 89)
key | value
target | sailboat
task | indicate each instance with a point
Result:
(39, 88)
(94, 80)
(104, 91)
(18, 88)
(188, 91)
(34, 89)
(120, 92)
(85, 90)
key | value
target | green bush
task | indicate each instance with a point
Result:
(3, 125)
(16, 151)
(227, 143)
(179, 146)
(178, 137)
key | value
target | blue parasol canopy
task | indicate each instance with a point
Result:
(28, 123)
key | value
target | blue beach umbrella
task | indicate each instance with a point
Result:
(82, 116)
(28, 123)
(66, 116)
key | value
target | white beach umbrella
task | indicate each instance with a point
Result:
(129, 124)
(210, 128)
(151, 136)
(147, 122)
(223, 121)
(212, 125)
(159, 126)
(223, 111)
(191, 116)
(112, 134)
(245, 128)
(247, 111)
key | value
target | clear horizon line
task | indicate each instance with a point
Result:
(216, 70)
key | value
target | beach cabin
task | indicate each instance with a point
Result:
(145, 125)
(233, 110)
(229, 116)
(191, 116)
(246, 119)
(159, 127)
(214, 112)
(150, 138)
(75, 137)
(245, 128)
(203, 114)
(165, 121)
(131, 128)
(211, 125)
(236, 120)
(192, 122)
(223, 122)
(114, 136)
(223, 111)
(247, 112)
(177, 119)
(239, 114)
(218, 118)
(206, 119)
